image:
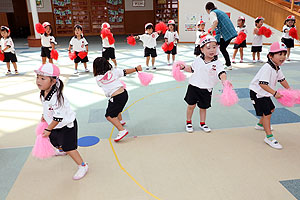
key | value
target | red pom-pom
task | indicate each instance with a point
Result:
(111, 39)
(39, 28)
(161, 26)
(240, 38)
(105, 32)
(165, 47)
(72, 55)
(170, 46)
(214, 33)
(54, 54)
(82, 54)
(293, 33)
(265, 31)
(131, 41)
(2, 56)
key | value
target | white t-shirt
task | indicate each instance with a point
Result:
(257, 40)
(241, 29)
(266, 75)
(105, 43)
(52, 111)
(78, 45)
(110, 82)
(7, 42)
(171, 36)
(206, 75)
(47, 40)
(149, 40)
(199, 34)
(212, 17)
(286, 34)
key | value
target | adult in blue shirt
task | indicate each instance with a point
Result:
(224, 28)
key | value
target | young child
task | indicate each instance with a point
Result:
(62, 124)
(262, 87)
(171, 35)
(48, 43)
(108, 51)
(199, 34)
(149, 43)
(79, 44)
(207, 71)
(257, 40)
(108, 79)
(241, 27)
(8, 48)
(286, 38)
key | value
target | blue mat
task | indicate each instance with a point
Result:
(88, 141)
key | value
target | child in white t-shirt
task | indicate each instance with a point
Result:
(48, 43)
(241, 27)
(289, 23)
(171, 35)
(108, 50)
(257, 40)
(107, 78)
(199, 34)
(262, 87)
(207, 72)
(79, 44)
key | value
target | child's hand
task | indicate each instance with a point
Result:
(139, 68)
(159, 32)
(42, 119)
(278, 95)
(136, 37)
(46, 133)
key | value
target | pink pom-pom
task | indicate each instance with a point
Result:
(39, 28)
(54, 54)
(214, 33)
(72, 55)
(2, 56)
(229, 96)
(82, 54)
(240, 38)
(165, 47)
(170, 46)
(105, 32)
(288, 98)
(161, 27)
(131, 40)
(145, 78)
(124, 84)
(177, 74)
(297, 97)
(42, 148)
(293, 33)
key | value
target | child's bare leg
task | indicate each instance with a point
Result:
(115, 62)
(44, 59)
(234, 53)
(74, 154)
(120, 117)
(76, 66)
(242, 53)
(15, 66)
(50, 60)
(266, 120)
(288, 53)
(202, 115)
(258, 55)
(85, 65)
(168, 57)
(173, 57)
(115, 121)
(189, 112)
(153, 61)
(147, 61)
(8, 66)
(253, 55)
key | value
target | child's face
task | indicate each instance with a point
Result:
(4, 34)
(44, 82)
(48, 30)
(171, 27)
(210, 50)
(240, 23)
(290, 23)
(77, 31)
(201, 27)
(149, 31)
(260, 23)
(279, 58)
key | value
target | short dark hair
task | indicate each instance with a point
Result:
(258, 20)
(3, 28)
(101, 66)
(78, 27)
(149, 27)
(271, 54)
(210, 6)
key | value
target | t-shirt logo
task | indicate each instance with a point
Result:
(153, 36)
(82, 44)
(214, 67)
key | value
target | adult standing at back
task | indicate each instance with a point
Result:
(224, 28)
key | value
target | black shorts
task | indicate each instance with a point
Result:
(45, 52)
(10, 57)
(289, 43)
(173, 51)
(116, 104)
(201, 97)
(65, 138)
(256, 48)
(150, 51)
(242, 45)
(197, 50)
(78, 59)
(108, 53)
(263, 106)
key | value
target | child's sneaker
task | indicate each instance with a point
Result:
(60, 152)
(87, 70)
(153, 67)
(147, 68)
(205, 128)
(260, 61)
(8, 72)
(189, 128)
(233, 60)
(228, 67)
(261, 128)
(241, 61)
(254, 61)
(169, 63)
(121, 135)
(122, 122)
(75, 71)
(16, 72)
(81, 172)
(273, 143)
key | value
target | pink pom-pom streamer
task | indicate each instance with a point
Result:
(298, 97)
(124, 84)
(176, 73)
(82, 54)
(131, 40)
(293, 33)
(288, 98)
(39, 28)
(72, 55)
(42, 148)
(229, 96)
(54, 54)
(2, 56)
(240, 38)
(145, 78)
(161, 26)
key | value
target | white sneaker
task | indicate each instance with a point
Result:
(81, 172)
(87, 70)
(122, 122)
(75, 71)
(169, 63)
(274, 143)
(260, 61)
(261, 128)
(189, 128)
(228, 67)
(254, 61)
(8, 72)
(241, 61)
(233, 60)
(121, 135)
(205, 128)
(147, 68)
(60, 153)
(153, 67)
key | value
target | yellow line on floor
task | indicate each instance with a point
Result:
(128, 174)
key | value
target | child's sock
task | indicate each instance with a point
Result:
(270, 137)
(202, 123)
(83, 164)
(188, 121)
